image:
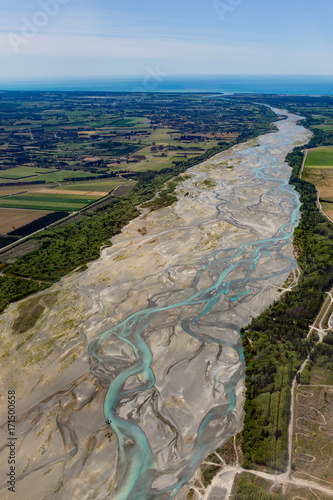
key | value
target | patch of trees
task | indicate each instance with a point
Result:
(322, 355)
(120, 148)
(248, 490)
(13, 288)
(190, 138)
(90, 178)
(7, 240)
(20, 183)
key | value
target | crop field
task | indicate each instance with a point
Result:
(15, 189)
(313, 433)
(43, 201)
(69, 196)
(11, 219)
(105, 185)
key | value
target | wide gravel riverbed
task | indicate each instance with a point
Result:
(135, 374)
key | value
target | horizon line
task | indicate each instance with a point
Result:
(168, 76)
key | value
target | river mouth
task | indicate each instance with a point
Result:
(160, 316)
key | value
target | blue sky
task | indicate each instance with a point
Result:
(47, 38)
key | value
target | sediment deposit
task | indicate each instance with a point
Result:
(134, 369)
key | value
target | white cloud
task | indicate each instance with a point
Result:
(118, 47)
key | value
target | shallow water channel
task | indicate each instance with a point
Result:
(151, 330)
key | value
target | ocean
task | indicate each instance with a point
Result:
(154, 81)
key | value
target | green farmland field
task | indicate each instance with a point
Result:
(324, 127)
(41, 201)
(320, 157)
(98, 185)
(41, 174)
(60, 175)
(126, 122)
(23, 172)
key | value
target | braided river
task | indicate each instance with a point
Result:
(155, 338)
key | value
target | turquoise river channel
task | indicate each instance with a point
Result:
(136, 462)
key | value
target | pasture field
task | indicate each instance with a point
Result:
(161, 134)
(61, 175)
(153, 163)
(326, 126)
(41, 174)
(320, 157)
(13, 218)
(43, 201)
(106, 185)
(17, 173)
(328, 209)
